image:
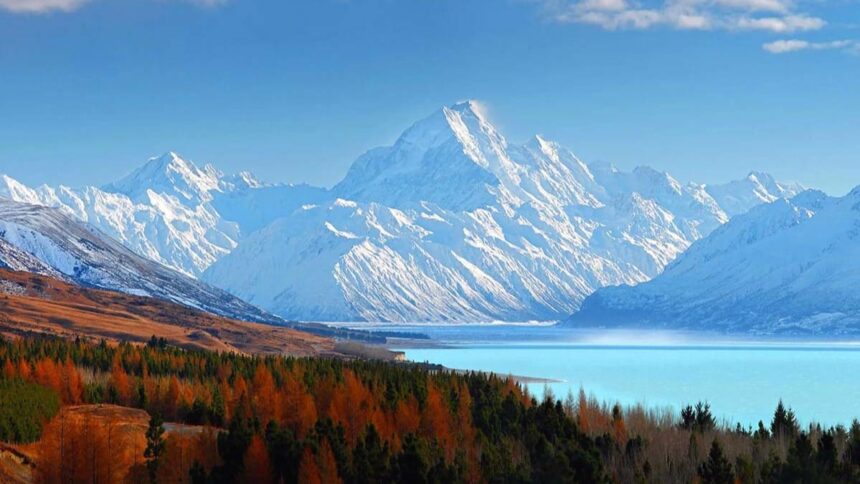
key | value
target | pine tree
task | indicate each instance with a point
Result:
(852, 451)
(784, 424)
(371, 458)
(826, 455)
(717, 469)
(155, 445)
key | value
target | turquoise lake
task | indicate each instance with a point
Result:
(742, 380)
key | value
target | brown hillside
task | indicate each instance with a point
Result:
(31, 303)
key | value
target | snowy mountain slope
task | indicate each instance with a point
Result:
(51, 242)
(254, 207)
(737, 197)
(789, 267)
(453, 223)
(171, 211)
(15, 259)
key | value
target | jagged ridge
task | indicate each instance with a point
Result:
(453, 223)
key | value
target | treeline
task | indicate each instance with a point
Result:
(24, 409)
(274, 419)
(647, 445)
(310, 420)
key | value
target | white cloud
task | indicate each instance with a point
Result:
(692, 22)
(776, 6)
(783, 46)
(795, 45)
(777, 16)
(604, 5)
(635, 19)
(45, 6)
(790, 23)
(40, 6)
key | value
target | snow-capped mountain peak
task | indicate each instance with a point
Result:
(451, 158)
(13, 189)
(241, 180)
(737, 197)
(171, 210)
(454, 223)
(171, 175)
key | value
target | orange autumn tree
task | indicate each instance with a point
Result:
(120, 381)
(73, 386)
(47, 373)
(299, 411)
(265, 402)
(327, 464)
(25, 371)
(9, 370)
(309, 471)
(257, 468)
(75, 450)
(407, 416)
(436, 420)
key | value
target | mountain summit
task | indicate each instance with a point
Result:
(454, 223)
(451, 158)
(169, 174)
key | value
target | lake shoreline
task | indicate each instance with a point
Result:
(743, 379)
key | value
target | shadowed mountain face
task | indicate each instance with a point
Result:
(789, 267)
(47, 241)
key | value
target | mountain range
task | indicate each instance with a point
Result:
(450, 223)
(453, 223)
(789, 267)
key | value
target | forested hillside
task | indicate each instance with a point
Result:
(224, 417)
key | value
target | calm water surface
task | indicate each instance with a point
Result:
(743, 380)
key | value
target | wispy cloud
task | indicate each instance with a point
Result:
(208, 3)
(788, 23)
(46, 6)
(796, 45)
(40, 6)
(780, 16)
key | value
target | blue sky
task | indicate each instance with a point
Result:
(295, 90)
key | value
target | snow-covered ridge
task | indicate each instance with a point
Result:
(788, 267)
(454, 223)
(170, 210)
(48, 241)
